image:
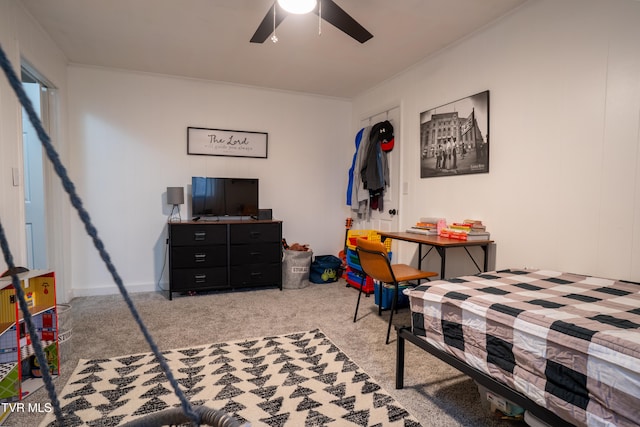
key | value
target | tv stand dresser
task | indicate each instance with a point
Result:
(225, 254)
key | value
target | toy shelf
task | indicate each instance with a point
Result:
(5, 369)
(35, 311)
(4, 326)
(18, 368)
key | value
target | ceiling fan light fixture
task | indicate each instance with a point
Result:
(298, 6)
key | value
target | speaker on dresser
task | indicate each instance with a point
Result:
(265, 214)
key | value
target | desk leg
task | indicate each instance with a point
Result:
(443, 260)
(474, 261)
(399, 360)
(420, 256)
(485, 248)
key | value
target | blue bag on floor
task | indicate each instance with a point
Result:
(325, 269)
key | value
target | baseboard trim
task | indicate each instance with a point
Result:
(112, 290)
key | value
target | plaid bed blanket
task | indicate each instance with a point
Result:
(568, 342)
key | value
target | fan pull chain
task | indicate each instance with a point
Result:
(320, 18)
(274, 38)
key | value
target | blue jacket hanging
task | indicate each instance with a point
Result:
(353, 167)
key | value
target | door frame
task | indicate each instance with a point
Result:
(33, 181)
(392, 222)
(57, 217)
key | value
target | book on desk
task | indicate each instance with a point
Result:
(423, 231)
(469, 230)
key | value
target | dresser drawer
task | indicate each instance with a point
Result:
(255, 233)
(197, 235)
(198, 278)
(256, 253)
(198, 256)
(256, 274)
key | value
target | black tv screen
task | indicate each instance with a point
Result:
(224, 196)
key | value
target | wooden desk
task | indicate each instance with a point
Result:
(441, 244)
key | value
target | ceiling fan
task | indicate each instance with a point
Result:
(326, 9)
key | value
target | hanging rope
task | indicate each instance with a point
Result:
(93, 233)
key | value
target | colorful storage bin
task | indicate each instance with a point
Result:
(354, 279)
(385, 298)
(353, 235)
(354, 262)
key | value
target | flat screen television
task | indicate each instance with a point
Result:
(224, 196)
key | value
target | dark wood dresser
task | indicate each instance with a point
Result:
(207, 255)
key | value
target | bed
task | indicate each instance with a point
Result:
(566, 347)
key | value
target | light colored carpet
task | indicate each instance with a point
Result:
(435, 393)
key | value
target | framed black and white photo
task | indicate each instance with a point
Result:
(454, 138)
(222, 142)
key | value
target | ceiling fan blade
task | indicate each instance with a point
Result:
(336, 16)
(266, 26)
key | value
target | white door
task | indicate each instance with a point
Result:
(35, 227)
(387, 218)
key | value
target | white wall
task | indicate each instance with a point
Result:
(129, 144)
(22, 39)
(563, 191)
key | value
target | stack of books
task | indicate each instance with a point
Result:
(466, 230)
(426, 226)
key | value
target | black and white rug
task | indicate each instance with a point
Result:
(299, 379)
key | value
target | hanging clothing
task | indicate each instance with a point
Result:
(359, 195)
(353, 167)
(375, 170)
(369, 172)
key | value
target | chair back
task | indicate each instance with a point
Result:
(374, 260)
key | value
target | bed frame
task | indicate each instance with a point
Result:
(563, 346)
(404, 333)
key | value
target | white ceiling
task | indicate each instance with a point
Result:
(209, 39)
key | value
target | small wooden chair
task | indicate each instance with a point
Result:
(375, 263)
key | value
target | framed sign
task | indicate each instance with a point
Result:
(222, 142)
(454, 138)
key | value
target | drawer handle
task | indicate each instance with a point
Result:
(254, 234)
(256, 274)
(200, 278)
(254, 254)
(199, 235)
(200, 257)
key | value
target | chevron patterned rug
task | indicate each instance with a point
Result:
(299, 379)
